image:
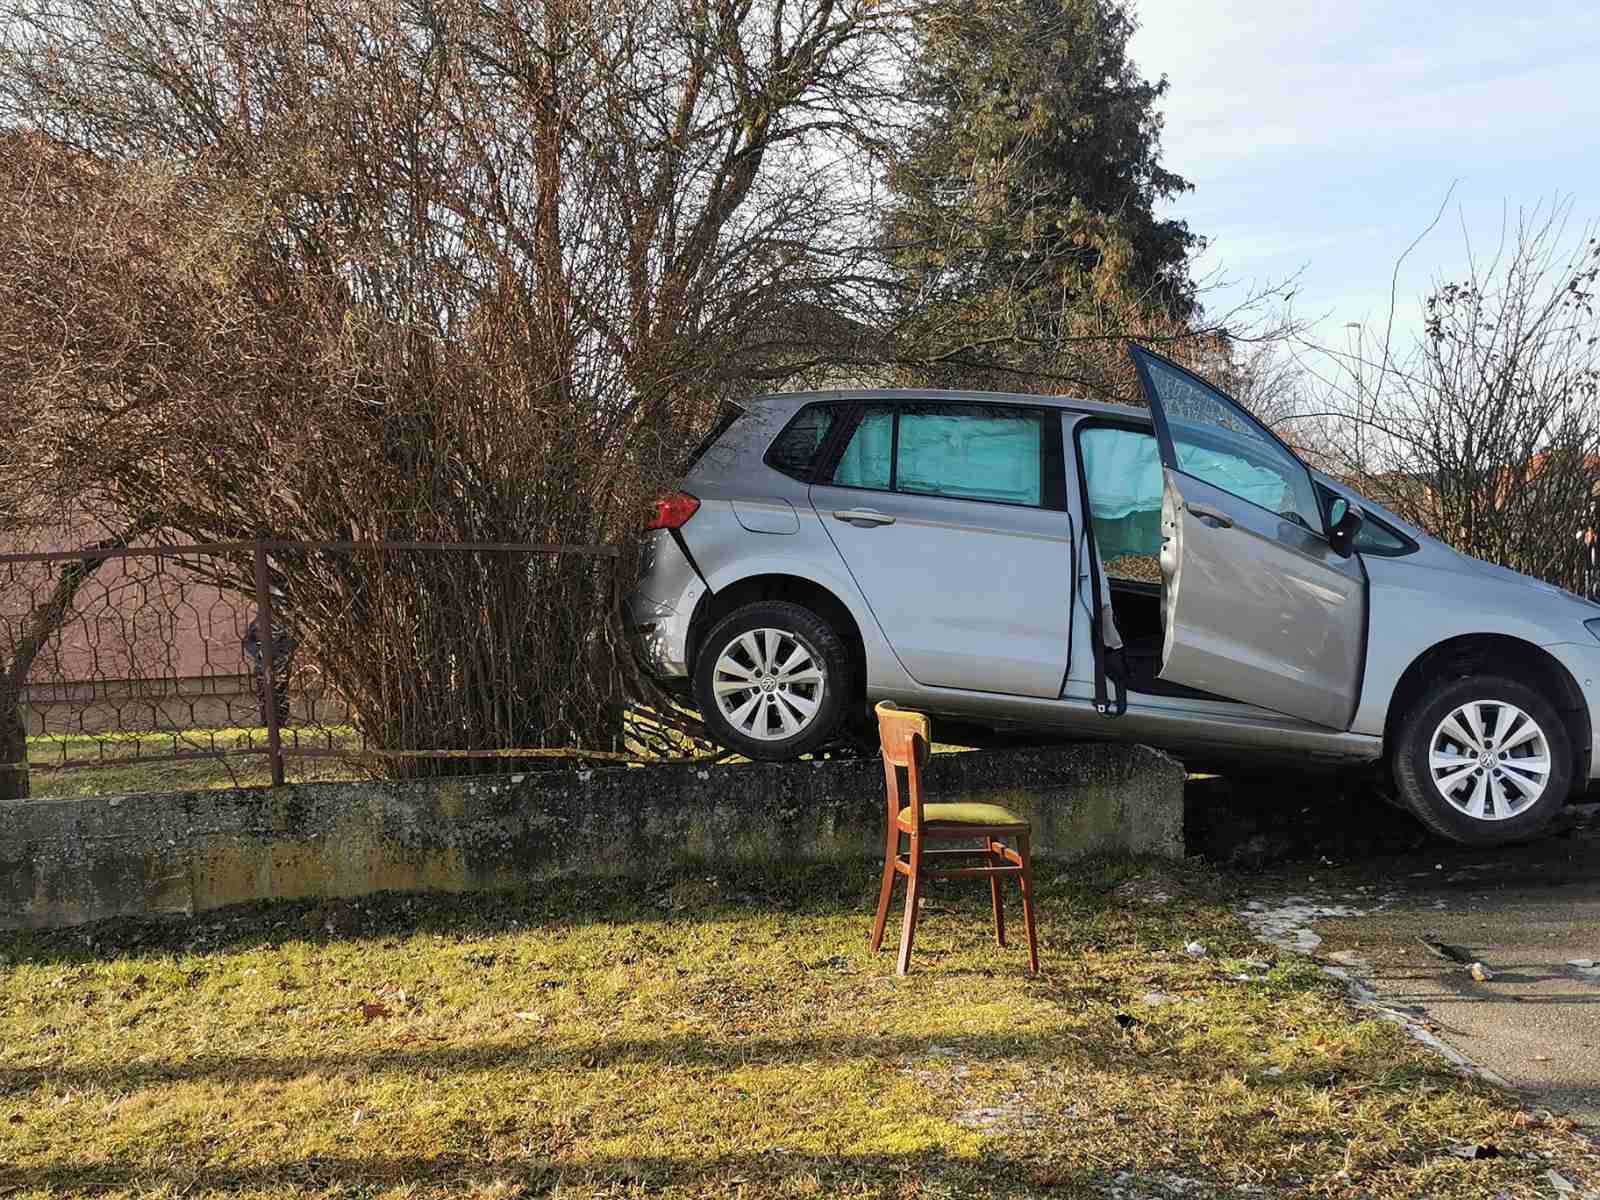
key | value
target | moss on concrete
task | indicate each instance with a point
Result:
(67, 861)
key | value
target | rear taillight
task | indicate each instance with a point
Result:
(672, 510)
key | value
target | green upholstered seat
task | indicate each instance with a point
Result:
(964, 814)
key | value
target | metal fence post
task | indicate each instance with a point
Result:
(270, 680)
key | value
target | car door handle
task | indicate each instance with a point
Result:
(862, 516)
(1214, 519)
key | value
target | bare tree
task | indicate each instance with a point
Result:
(443, 270)
(64, 241)
(1484, 428)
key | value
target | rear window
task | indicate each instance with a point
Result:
(799, 447)
(867, 460)
(971, 453)
(962, 451)
(729, 414)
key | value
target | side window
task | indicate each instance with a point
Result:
(866, 461)
(1374, 537)
(971, 452)
(1215, 443)
(1122, 474)
(797, 448)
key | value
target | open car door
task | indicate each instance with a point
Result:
(1258, 605)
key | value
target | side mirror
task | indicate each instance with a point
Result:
(1344, 522)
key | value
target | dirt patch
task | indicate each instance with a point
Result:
(1149, 888)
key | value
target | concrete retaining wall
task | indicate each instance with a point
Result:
(63, 862)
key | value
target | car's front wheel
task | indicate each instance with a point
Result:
(1483, 760)
(772, 680)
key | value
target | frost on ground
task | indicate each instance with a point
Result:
(1286, 923)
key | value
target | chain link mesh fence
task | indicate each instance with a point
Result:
(245, 664)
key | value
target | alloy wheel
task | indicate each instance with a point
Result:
(1489, 759)
(768, 684)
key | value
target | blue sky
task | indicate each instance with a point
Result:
(1322, 137)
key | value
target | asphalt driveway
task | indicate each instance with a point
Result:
(1530, 915)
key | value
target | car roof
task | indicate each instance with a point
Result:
(1070, 403)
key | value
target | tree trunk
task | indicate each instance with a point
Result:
(40, 624)
(13, 748)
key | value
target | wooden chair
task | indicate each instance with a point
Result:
(905, 738)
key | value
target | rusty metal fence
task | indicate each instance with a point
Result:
(190, 665)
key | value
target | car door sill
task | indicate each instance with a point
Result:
(1235, 725)
(1158, 720)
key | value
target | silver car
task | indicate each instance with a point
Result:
(1172, 575)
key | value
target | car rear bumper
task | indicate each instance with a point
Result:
(660, 609)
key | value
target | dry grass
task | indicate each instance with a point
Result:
(111, 764)
(721, 1034)
(104, 764)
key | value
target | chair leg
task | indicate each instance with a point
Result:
(886, 891)
(913, 902)
(996, 860)
(1026, 881)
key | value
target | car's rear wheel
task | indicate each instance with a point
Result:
(1483, 760)
(772, 680)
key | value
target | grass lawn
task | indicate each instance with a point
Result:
(121, 762)
(726, 1034)
(118, 766)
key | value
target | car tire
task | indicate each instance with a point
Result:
(799, 677)
(1456, 773)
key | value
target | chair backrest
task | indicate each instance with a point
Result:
(906, 739)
